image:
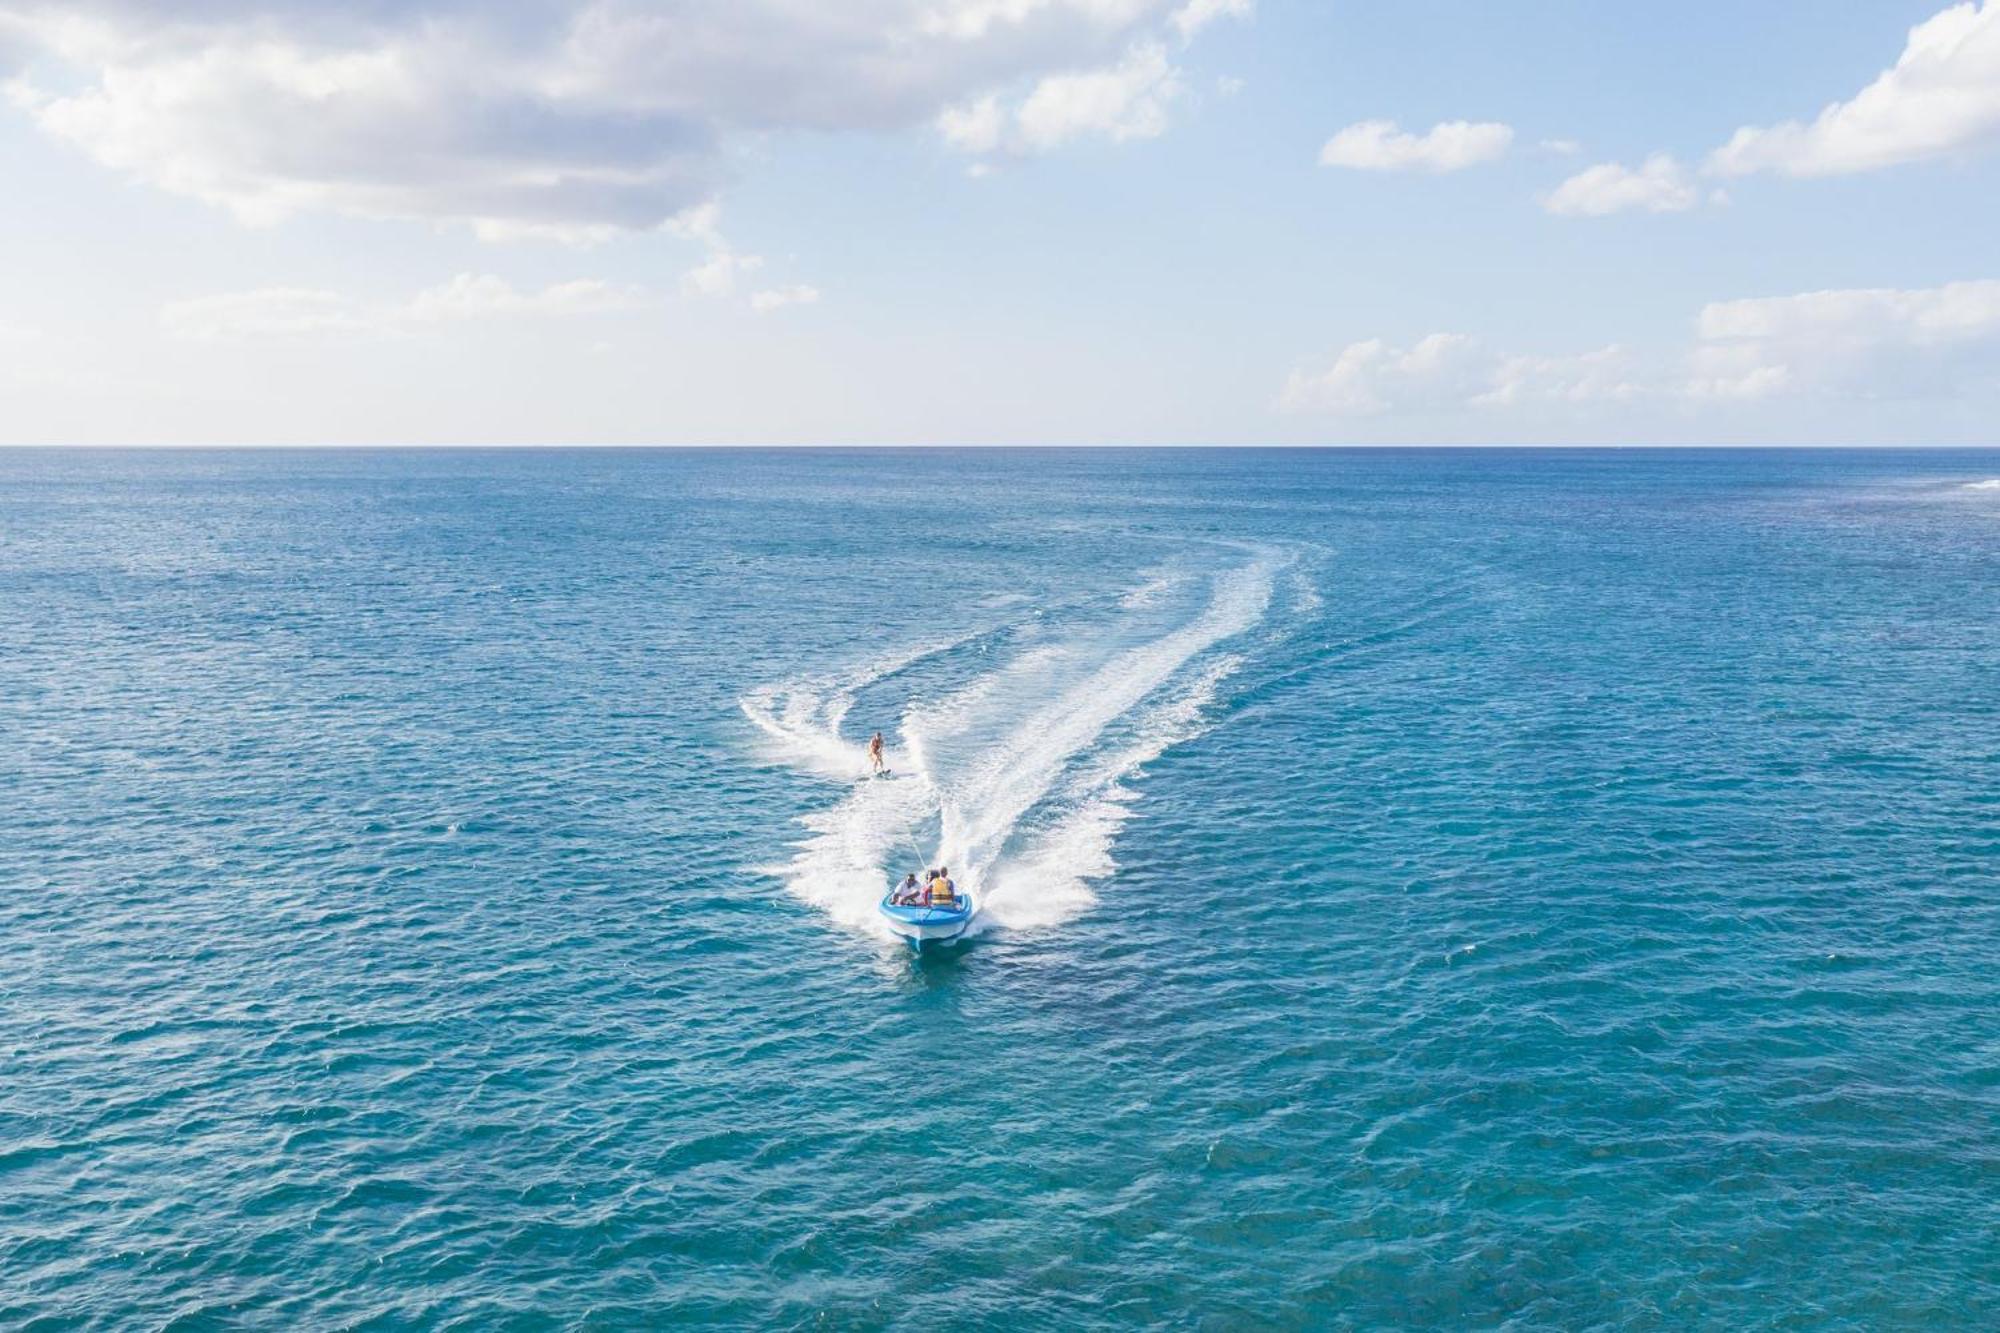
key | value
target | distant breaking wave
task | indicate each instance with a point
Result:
(1990, 484)
(1012, 774)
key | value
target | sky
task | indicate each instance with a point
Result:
(999, 222)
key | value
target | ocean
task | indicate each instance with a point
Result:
(1458, 888)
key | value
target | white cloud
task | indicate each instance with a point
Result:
(18, 334)
(1118, 102)
(1451, 372)
(1863, 342)
(777, 298)
(717, 275)
(973, 20)
(1379, 145)
(1195, 15)
(1123, 101)
(1734, 374)
(1609, 374)
(701, 222)
(1927, 316)
(1942, 96)
(1660, 185)
(286, 313)
(1371, 377)
(720, 275)
(568, 118)
(979, 126)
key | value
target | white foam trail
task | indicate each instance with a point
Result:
(1990, 484)
(843, 867)
(1308, 596)
(1150, 592)
(1027, 738)
(801, 719)
(1048, 880)
(980, 809)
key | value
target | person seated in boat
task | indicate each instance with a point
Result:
(906, 892)
(942, 892)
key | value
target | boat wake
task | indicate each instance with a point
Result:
(1015, 775)
(800, 720)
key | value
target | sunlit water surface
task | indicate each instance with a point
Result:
(1459, 888)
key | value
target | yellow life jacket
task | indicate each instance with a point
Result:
(940, 893)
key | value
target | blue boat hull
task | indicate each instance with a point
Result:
(921, 927)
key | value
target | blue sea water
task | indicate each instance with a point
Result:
(1462, 888)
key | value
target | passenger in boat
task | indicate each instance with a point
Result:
(942, 892)
(907, 892)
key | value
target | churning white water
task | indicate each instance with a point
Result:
(1014, 773)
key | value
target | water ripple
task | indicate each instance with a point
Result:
(1549, 891)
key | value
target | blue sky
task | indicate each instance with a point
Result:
(998, 221)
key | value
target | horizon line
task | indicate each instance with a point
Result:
(880, 446)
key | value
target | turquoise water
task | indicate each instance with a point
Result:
(1454, 888)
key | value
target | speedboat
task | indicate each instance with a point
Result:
(920, 925)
